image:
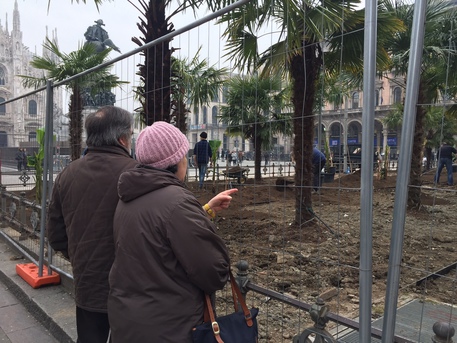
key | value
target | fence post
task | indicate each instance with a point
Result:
(318, 313)
(3, 206)
(443, 332)
(242, 276)
(22, 214)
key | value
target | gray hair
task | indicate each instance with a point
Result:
(107, 125)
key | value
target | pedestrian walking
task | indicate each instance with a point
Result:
(318, 161)
(445, 160)
(202, 155)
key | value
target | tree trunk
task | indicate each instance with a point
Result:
(156, 71)
(428, 150)
(304, 71)
(76, 123)
(415, 179)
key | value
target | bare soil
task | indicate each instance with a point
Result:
(321, 258)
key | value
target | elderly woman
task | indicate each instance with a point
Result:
(168, 254)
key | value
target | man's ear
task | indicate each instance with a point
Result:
(123, 142)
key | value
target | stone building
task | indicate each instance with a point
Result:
(339, 123)
(20, 119)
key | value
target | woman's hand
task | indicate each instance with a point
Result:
(222, 200)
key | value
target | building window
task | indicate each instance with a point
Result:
(3, 139)
(224, 94)
(32, 136)
(214, 115)
(32, 108)
(397, 95)
(205, 115)
(2, 107)
(196, 117)
(216, 96)
(2, 77)
(376, 98)
(355, 100)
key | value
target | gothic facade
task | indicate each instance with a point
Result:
(20, 119)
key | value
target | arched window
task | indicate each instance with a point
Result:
(2, 77)
(335, 130)
(2, 107)
(3, 139)
(32, 136)
(355, 100)
(397, 95)
(205, 115)
(32, 108)
(214, 115)
(353, 130)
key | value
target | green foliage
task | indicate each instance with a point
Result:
(38, 159)
(215, 145)
(66, 66)
(193, 83)
(257, 110)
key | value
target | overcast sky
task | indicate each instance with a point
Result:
(120, 19)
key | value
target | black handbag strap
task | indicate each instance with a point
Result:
(238, 298)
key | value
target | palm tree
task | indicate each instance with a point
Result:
(254, 111)
(155, 92)
(438, 71)
(193, 84)
(439, 125)
(69, 65)
(304, 27)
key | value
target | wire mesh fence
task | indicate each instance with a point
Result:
(302, 242)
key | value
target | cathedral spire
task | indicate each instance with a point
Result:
(16, 18)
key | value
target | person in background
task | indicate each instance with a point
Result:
(25, 162)
(202, 155)
(168, 254)
(445, 159)
(18, 157)
(318, 161)
(234, 157)
(267, 157)
(81, 211)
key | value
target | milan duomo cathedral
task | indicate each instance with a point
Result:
(20, 119)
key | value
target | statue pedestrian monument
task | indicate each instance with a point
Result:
(98, 36)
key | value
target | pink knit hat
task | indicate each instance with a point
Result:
(161, 145)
